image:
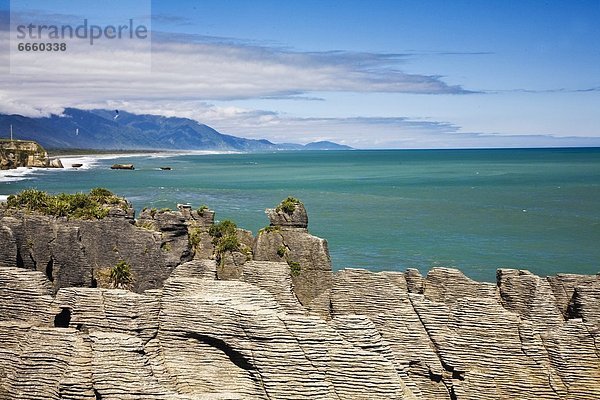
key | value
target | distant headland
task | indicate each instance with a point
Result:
(25, 153)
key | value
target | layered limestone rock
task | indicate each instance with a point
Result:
(200, 337)
(197, 331)
(196, 338)
(531, 297)
(73, 252)
(231, 262)
(460, 339)
(199, 222)
(298, 218)
(25, 153)
(287, 240)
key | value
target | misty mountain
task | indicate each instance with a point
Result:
(99, 129)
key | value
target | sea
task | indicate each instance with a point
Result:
(476, 210)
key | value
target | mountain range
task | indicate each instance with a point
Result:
(111, 130)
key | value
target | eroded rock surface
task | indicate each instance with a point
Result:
(25, 153)
(287, 240)
(264, 333)
(73, 252)
(203, 338)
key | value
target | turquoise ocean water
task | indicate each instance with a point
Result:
(477, 210)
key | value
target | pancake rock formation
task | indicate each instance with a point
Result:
(203, 322)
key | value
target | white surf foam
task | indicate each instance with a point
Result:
(86, 162)
(17, 174)
(92, 160)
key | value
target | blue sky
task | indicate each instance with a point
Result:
(390, 74)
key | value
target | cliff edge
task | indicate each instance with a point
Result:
(216, 313)
(25, 153)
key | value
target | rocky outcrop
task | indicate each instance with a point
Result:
(24, 153)
(286, 239)
(199, 337)
(55, 163)
(122, 166)
(298, 218)
(198, 222)
(386, 335)
(71, 252)
(457, 336)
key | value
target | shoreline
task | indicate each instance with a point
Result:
(90, 157)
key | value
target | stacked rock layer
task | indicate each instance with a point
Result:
(269, 331)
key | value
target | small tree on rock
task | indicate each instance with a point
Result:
(120, 275)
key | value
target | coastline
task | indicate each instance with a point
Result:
(90, 157)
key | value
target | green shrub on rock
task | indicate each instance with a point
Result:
(225, 237)
(120, 276)
(288, 205)
(268, 229)
(148, 225)
(281, 251)
(228, 243)
(194, 236)
(95, 205)
(101, 193)
(223, 228)
(201, 210)
(295, 267)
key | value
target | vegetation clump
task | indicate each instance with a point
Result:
(148, 225)
(194, 236)
(288, 205)
(295, 267)
(281, 251)
(269, 228)
(224, 236)
(228, 243)
(223, 228)
(120, 276)
(95, 205)
(201, 210)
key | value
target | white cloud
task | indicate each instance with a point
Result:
(197, 71)
(190, 73)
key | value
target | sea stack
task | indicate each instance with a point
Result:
(122, 166)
